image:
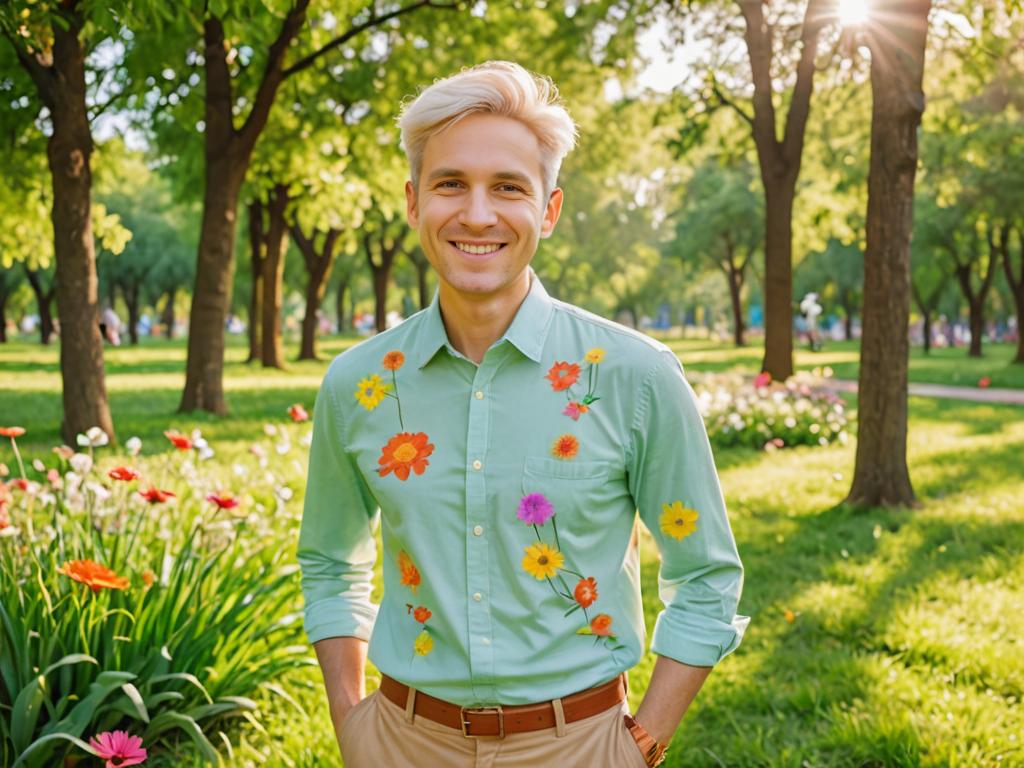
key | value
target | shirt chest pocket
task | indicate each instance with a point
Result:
(583, 494)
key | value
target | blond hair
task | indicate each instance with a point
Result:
(495, 87)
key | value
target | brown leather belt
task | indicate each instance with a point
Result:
(500, 721)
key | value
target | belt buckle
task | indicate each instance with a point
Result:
(481, 711)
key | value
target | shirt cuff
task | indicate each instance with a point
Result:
(336, 617)
(697, 640)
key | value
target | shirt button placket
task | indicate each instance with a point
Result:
(481, 648)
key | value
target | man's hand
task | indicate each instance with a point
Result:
(343, 664)
(673, 686)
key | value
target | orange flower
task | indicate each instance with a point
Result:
(93, 575)
(410, 573)
(405, 451)
(226, 501)
(393, 360)
(123, 473)
(180, 442)
(601, 625)
(421, 614)
(155, 495)
(563, 375)
(298, 413)
(148, 577)
(12, 432)
(565, 447)
(586, 592)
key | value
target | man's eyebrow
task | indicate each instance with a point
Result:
(515, 176)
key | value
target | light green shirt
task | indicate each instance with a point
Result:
(508, 494)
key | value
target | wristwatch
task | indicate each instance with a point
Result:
(653, 751)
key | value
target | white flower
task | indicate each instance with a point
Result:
(269, 430)
(94, 437)
(81, 463)
(133, 445)
(9, 531)
(101, 493)
(38, 465)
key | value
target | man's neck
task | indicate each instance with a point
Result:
(474, 323)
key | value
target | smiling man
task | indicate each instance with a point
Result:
(506, 443)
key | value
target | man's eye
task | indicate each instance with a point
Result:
(510, 188)
(446, 183)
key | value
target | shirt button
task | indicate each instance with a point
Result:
(477, 464)
(478, 597)
(479, 395)
(478, 530)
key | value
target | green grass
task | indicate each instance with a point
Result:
(905, 643)
(941, 366)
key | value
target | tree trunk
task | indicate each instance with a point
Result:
(381, 273)
(380, 295)
(1015, 283)
(976, 322)
(44, 297)
(339, 302)
(167, 316)
(880, 475)
(3, 317)
(735, 288)
(273, 278)
(131, 300)
(848, 327)
(318, 269)
(926, 329)
(421, 280)
(778, 277)
(256, 243)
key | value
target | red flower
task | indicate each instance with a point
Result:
(421, 614)
(19, 482)
(404, 452)
(298, 413)
(563, 375)
(985, 381)
(123, 473)
(180, 442)
(586, 592)
(223, 502)
(12, 432)
(393, 360)
(763, 379)
(410, 573)
(155, 495)
(601, 625)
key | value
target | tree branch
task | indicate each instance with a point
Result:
(726, 101)
(800, 106)
(373, 21)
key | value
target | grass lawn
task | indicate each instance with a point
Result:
(878, 638)
(941, 366)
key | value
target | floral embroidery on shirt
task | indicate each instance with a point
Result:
(410, 577)
(678, 521)
(406, 452)
(564, 375)
(566, 447)
(545, 562)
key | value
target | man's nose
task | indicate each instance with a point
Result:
(478, 212)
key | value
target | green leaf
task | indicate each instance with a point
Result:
(26, 711)
(166, 721)
(136, 699)
(35, 745)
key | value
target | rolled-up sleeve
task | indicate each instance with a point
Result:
(336, 549)
(673, 480)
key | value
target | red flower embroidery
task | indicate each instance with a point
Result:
(410, 573)
(404, 452)
(563, 375)
(601, 625)
(586, 592)
(422, 614)
(393, 360)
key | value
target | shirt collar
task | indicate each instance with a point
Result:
(527, 333)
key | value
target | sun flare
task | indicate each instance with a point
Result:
(852, 13)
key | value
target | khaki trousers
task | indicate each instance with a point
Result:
(377, 733)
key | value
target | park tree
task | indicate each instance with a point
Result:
(896, 34)
(930, 268)
(720, 223)
(51, 44)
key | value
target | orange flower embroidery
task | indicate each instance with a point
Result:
(586, 593)
(602, 625)
(563, 375)
(421, 614)
(565, 447)
(410, 573)
(93, 575)
(404, 452)
(393, 360)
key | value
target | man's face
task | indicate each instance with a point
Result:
(479, 208)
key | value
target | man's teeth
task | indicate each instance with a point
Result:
(478, 249)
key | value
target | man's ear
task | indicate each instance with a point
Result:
(412, 212)
(552, 211)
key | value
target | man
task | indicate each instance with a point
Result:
(508, 441)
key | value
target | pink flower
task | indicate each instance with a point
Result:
(984, 381)
(763, 379)
(573, 410)
(118, 748)
(535, 509)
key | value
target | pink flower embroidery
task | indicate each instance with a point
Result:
(535, 509)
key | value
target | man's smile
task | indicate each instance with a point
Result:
(476, 249)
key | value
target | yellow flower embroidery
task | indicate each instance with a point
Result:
(542, 561)
(371, 391)
(424, 643)
(594, 356)
(678, 521)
